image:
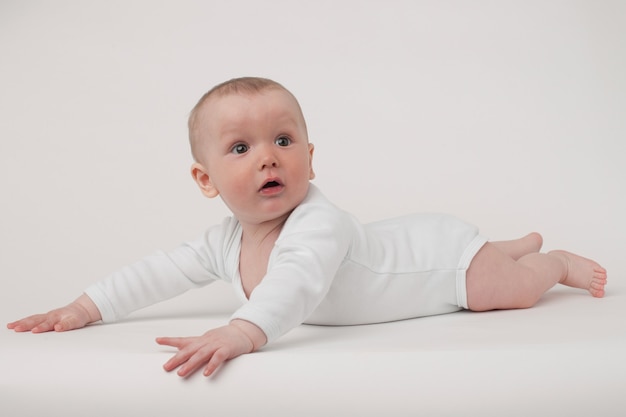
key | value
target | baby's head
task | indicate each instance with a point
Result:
(238, 86)
(250, 145)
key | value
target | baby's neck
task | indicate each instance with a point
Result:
(256, 235)
(256, 245)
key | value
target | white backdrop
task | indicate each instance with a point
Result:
(507, 114)
(510, 115)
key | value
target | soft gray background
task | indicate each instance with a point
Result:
(508, 114)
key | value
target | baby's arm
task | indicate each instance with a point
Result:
(73, 316)
(306, 258)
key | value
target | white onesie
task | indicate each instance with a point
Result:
(325, 268)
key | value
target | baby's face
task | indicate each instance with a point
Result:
(255, 152)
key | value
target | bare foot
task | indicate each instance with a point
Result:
(531, 243)
(582, 273)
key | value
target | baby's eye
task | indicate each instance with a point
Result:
(239, 148)
(283, 141)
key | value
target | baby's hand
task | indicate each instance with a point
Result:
(213, 348)
(73, 316)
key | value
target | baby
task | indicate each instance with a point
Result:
(294, 257)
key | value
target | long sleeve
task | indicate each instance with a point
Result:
(164, 275)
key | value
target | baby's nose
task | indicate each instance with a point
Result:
(268, 160)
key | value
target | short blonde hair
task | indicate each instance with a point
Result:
(242, 85)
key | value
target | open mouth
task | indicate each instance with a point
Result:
(271, 184)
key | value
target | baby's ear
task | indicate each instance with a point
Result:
(201, 176)
(311, 172)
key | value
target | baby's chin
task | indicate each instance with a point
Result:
(271, 218)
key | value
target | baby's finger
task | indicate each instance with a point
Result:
(176, 342)
(175, 361)
(18, 326)
(26, 324)
(219, 357)
(179, 358)
(44, 326)
(196, 360)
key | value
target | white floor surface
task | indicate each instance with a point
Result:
(564, 357)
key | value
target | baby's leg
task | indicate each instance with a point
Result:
(517, 248)
(497, 281)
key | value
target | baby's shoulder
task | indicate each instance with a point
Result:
(317, 202)
(316, 211)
